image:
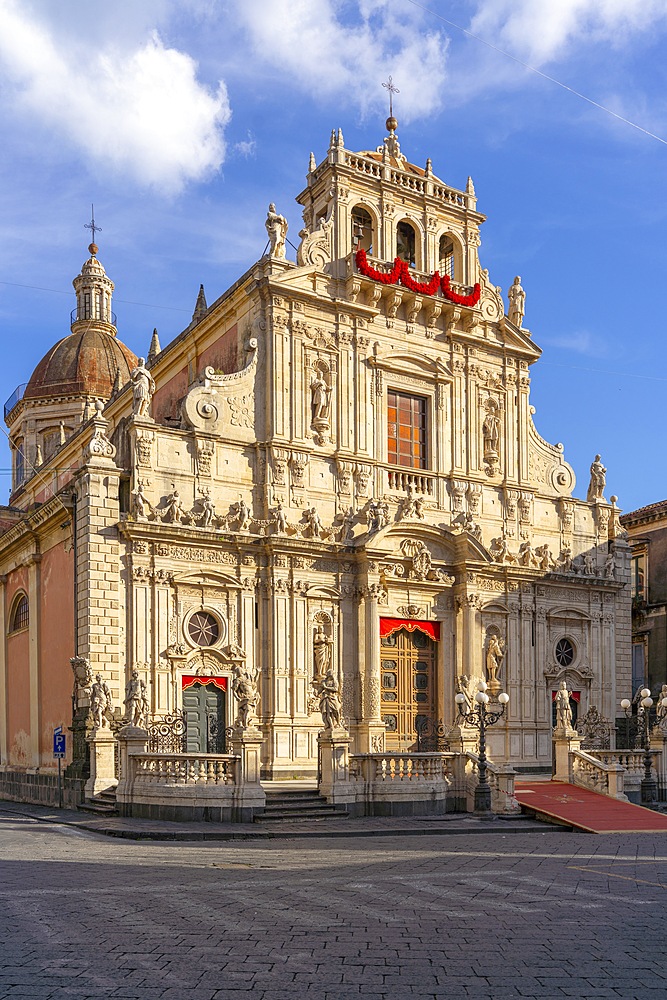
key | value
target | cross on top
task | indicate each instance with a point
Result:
(389, 85)
(98, 229)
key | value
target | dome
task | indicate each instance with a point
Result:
(84, 363)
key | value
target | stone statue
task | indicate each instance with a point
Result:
(660, 709)
(322, 644)
(143, 387)
(589, 564)
(83, 674)
(544, 559)
(378, 515)
(247, 697)
(241, 512)
(208, 510)
(173, 511)
(329, 701)
(563, 709)
(491, 433)
(420, 504)
(598, 481)
(136, 701)
(314, 522)
(564, 562)
(517, 300)
(140, 505)
(610, 566)
(408, 508)
(320, 396)
(349, 517)
(527, 555)
(276, 227)
(463, 686)
(280, 519)
(494, 657)
(100, 701)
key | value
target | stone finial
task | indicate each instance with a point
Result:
(312, 165)
(155, 348)
(117, 383)
(470, 188)
(200, 307)
(429, 167)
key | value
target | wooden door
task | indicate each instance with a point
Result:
(204, 708)
(407, 679)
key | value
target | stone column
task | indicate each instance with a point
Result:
(4, 742)
(371, 729)
(565, 741)
(334, 750)
(34, 588)
(133, 741)
(102, 772)
(250, 797)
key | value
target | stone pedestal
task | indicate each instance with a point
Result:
(564, 740)
(334, 752)
(102, 772)
(659, 744)
(250, 797)
(133, 741)
(369, 737)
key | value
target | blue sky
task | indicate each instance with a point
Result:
(182, 119)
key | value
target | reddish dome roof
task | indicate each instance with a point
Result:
(83, 364)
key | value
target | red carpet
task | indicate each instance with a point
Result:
(586, 810)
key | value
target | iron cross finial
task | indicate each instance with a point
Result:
(389, 85)
(91, 225)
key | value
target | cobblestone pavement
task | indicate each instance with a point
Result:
(524, 915)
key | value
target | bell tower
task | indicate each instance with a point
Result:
(93, 297)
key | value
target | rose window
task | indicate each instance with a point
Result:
(564, 652)
(203, 629)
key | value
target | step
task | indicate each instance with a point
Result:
(301, 815)
(100, 808)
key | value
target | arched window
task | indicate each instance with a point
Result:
(19, 464)
(406, 243)
(20, 616)
(446, 256)
(362, 229)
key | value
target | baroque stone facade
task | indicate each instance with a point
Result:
(326, 469)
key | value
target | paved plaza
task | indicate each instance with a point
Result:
(494, 915)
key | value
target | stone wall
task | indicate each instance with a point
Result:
(42, 789)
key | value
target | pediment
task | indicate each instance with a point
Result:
(411, 365)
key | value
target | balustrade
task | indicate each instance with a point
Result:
(402, 482)
(185, 769)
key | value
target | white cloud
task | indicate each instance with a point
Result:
(246, 147)
(580, 342)
(331, 48)
(541, 30)
(139, 110)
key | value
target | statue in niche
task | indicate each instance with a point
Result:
(563, 708)
(136, 701)
(517, 300)
(276, 227)
(322, 644)
(330, 705)
(140, 505)
(100, 702)
(247, 697)
(598, 481)
(143, 387)
(173, 511)
(495, 652)
(320, 393)
(491, 433)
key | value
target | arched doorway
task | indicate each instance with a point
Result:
(407, 684)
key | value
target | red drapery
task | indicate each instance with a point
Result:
(190, 679)
(574, 695)
(389, 625)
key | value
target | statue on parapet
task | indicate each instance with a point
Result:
(100, 702)
(143, 387)
(136, 701)
(276, 227)
(517, 300)
(598, 481)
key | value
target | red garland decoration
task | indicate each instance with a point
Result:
(401, 272)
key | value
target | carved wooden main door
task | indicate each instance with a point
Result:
(407, 685)
(204, 709)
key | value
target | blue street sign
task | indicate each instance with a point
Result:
(58, 742)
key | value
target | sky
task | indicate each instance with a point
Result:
(182, 119)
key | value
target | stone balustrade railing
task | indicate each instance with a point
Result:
(631, 760)
(591, 772)
(501, 779)
(399, 767)
(185, 769)
(401, 481)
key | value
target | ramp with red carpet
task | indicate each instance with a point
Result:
(559, 802)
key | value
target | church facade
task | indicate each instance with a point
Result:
(332, 471)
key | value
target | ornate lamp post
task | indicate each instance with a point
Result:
(479, 718)
(649, 786)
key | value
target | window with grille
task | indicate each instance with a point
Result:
(446, 256)
(406, 438)
(21, 614)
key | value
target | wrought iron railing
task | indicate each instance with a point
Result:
(167, 733)
(87, 314)
(15, 398)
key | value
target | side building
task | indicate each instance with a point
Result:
(334, 466)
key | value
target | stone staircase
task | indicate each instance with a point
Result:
(103, 804)
(300, 805)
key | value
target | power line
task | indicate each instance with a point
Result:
(61, 291)
(539, 72)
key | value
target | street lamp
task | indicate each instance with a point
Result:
(479, 718)
(649, 786)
